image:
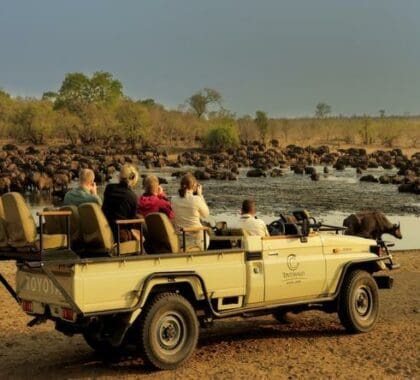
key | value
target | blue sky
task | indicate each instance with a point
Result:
(280, 56)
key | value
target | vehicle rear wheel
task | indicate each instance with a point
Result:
(358, 307)
(169, 331)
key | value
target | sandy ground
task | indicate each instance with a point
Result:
(314, 346)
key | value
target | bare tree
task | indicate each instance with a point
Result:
(322, 110)
(200, 101)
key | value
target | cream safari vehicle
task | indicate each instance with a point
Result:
(70, 271)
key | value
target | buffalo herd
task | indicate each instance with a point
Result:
(52, 169)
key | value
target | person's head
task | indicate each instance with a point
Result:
(129, 175)
(188, 182)
(249, 207)
(151, 185)
(86, 178)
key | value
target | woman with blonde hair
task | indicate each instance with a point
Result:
(120, 201)
(154, 199)
(189, 206)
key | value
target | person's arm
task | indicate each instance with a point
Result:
(97, 199)
(132, 212)
(166, 207)
(264, 229)
(202, 207)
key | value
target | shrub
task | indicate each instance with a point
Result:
(221, 137)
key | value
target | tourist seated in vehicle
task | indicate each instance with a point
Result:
(120, 202)
(86, 192)
(154, 199)
(249, 221)
(189, 206)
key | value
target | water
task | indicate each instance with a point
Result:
(331, 199)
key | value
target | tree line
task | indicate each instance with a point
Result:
(94, 109)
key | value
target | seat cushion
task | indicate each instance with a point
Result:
(53, 241)
(127, 247)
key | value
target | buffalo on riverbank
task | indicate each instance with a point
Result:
(371, 225)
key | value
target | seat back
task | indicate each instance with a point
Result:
(161, 235)
(3, 233)
(20, 224)
(74, 222)
(57, 224)
(291, 229)
(94, 227)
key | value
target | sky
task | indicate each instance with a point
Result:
(282, 57)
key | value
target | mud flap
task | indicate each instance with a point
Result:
(384, 281)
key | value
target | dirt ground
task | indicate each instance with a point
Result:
(314, 346)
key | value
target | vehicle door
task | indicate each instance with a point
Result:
(294, 269)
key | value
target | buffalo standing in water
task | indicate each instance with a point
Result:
(371, 225)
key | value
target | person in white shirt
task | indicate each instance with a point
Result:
(189, 206)
(249, 222)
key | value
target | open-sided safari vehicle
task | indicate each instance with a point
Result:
(119, 296)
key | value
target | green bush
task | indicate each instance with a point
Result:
(221, 137)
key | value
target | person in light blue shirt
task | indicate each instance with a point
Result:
(86, 192)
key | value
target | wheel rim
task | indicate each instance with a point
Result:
(363, 302)
(171, 332)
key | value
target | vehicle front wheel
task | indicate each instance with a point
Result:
(358, 307)
(169, 331)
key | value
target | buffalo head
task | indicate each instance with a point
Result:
(396, 231)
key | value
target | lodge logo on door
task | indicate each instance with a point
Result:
(292, 262)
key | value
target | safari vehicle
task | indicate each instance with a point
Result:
(119, 297)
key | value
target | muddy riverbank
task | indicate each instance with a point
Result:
(315, 345)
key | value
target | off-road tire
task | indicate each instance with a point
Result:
(168, 331)
(358, 306)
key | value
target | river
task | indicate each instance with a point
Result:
(330, 199)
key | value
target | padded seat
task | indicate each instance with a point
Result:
(21, 227)
(57, 225)
(161, 234)
(228, 238)
(3, 232)
(97, 234)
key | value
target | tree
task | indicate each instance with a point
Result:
(382, 113)
(322, 110)
(50, 96)
(68, 125)
(134, 121)
(365, 132)
(147, 102)
(78, 90)
(33, 122)
(261, 122)
(7, 109)
(222, 136)
(201, 100)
